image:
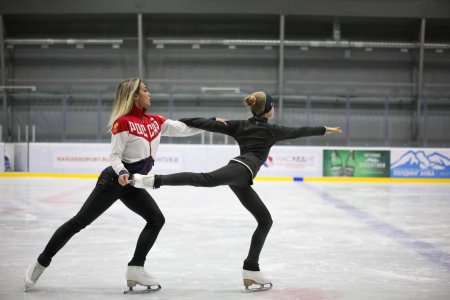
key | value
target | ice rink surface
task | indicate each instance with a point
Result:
(356, 241)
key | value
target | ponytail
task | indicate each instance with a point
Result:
(250, 100)
(256, 102)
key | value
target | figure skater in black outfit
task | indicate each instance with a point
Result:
(255, 137)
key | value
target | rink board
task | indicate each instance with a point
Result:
(283, 161)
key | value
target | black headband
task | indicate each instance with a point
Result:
(268, 105)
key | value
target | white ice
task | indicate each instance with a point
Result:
(329, 241)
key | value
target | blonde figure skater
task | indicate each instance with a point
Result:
(135, 137)
(255, 137)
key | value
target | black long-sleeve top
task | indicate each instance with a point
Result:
(254, 136)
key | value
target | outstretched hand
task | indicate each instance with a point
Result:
(333, 130)
(222, 120)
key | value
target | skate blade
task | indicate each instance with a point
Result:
(261, 288)
(28, 286)
(148, 290)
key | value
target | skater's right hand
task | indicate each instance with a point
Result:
(333, 130)
(123, 179)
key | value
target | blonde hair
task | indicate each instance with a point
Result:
(256, 102)
(123, 103)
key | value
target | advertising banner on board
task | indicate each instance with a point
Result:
(356, 163)
(93, 158)
(68, 158)
(420, 163)
(293, 161)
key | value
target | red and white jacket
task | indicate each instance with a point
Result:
(135, 140)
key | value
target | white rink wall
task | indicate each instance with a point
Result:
(286, 161)
(92, 158)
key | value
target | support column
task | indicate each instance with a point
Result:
(308, 116)
(64, 115)
(5, 123)
(141, 48)
(99, 116)
(281, 72)
(386, 121)
(347, 120)
(417, 121)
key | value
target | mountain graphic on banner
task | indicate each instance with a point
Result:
(419, 159)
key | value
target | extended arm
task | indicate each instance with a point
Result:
(177, 128)
(228, 128)
(285, 133)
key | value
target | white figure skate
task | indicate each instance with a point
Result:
(255, 278)
(32, 275)
(137, 275)
(143, 181)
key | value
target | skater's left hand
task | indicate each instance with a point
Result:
(222, 120)
(332, 130)
(123, 179)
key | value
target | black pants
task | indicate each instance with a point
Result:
(105, 193)
(238, 177)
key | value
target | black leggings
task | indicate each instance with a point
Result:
(105, 193)
(238, 177)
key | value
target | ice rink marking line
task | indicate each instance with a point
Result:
(258, 178)
(427, 250)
